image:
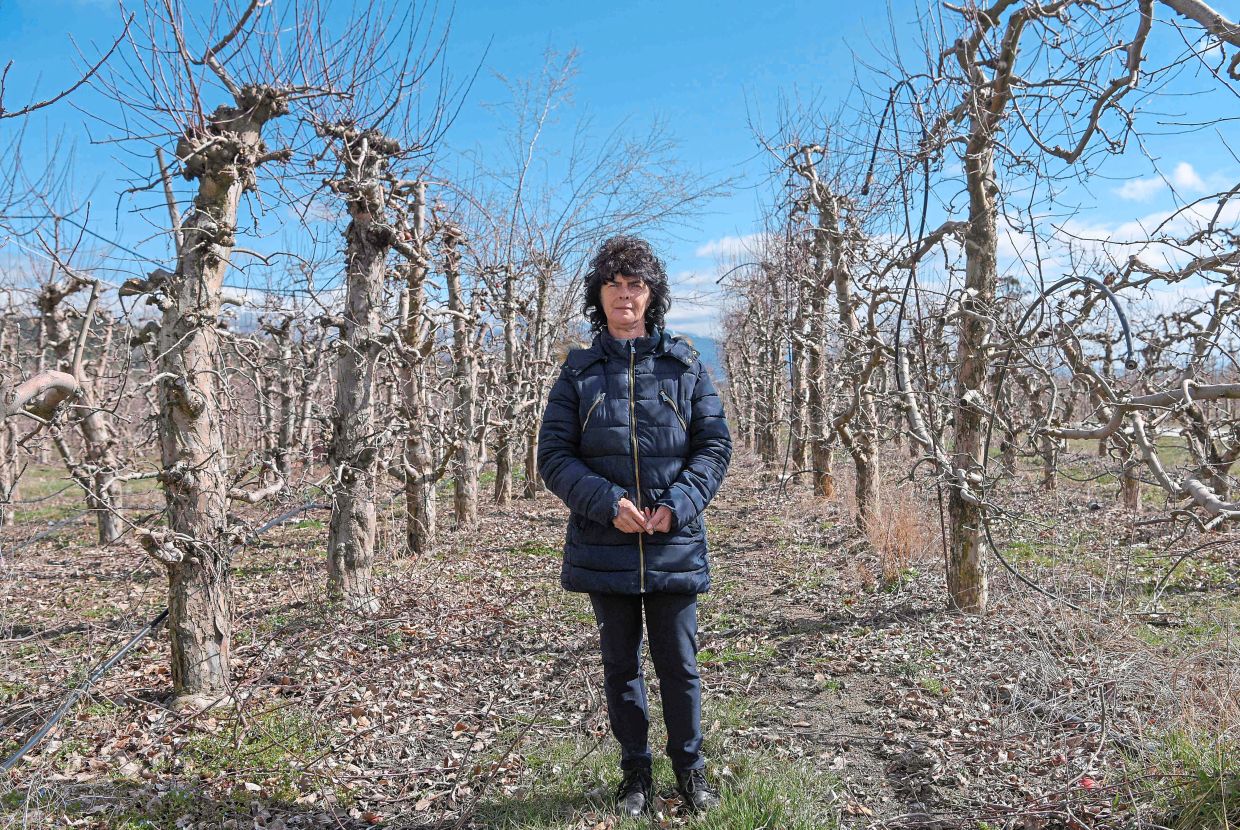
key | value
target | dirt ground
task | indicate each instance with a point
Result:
(840, 690)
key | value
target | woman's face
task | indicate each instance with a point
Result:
(624, 300)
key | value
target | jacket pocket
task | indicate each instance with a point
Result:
(667, 399)
(598, 399)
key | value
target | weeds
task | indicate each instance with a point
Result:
(270, 749)
(901, 534)
(1201, 781)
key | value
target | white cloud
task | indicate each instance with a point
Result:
(1183, 177)
(690, 283)
(730, 246)
(689, 317)
(1140, 190)
(1186, 178)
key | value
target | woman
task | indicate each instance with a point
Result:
(634, 441)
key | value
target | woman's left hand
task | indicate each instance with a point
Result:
(659, 521)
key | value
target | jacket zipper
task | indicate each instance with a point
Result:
(637, 476)
(597, 400)
(675, 410)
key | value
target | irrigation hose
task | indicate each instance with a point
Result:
(106, 665)
(73, 696)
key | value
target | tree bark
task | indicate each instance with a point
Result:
(465, 378)
(418, 466)
(9, 332)
(966, 571)
(196, 548)
(354, 452)
(97, 473)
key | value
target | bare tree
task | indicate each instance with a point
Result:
(221, 151)
(987, 84)
(377, 74)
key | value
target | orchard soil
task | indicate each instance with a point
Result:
(840, 690)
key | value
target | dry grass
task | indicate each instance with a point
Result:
(903, 533)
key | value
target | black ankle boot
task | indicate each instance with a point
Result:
(635, 794)
(697, 794)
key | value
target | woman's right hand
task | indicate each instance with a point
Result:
(629, 519)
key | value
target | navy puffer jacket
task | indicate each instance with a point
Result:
(637, 418)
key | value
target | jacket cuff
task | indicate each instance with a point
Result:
(680, 515)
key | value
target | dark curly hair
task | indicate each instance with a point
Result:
(632, 257)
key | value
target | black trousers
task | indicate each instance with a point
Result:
(671, 622)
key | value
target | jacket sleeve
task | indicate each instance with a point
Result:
(559, 461)
(710, 450)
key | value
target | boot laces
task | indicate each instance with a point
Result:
(635, 780)
(695, 781)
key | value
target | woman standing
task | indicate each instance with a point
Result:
(635, 442)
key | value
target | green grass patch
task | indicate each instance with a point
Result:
(68, 749)
(100, 708)
(165, 812)
(831, 686)
(533, 548)
(44, 513)
(1190, 635)
(899, 580)
(1199, 788)
(573, 784)
(10, 691)
(256, 570)
(101, 612)
(766, 792)
(41, 480)
(1027, 552)
(725, 619)
(270, 749)
(1195, 575)
(729, 713)
(737, 656)
(569, 782)
(1207, 620)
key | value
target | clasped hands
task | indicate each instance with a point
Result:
(631, 520)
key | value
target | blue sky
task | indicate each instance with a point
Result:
(704, 69)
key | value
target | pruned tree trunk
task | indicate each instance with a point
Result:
(966, 568)
(506, 434)
(1130, 482)
(354, 453)
(465, 378)
(8, 471)
(533, 484)
(97, 472)
(545, 323)
(420, 472)
(307, 399)
(8, 428)
(1048, 447)
(285, 442)
(196, 547)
